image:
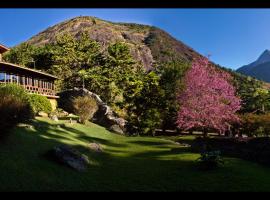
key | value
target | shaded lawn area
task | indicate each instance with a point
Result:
(127, 163)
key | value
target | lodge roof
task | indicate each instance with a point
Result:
(3, 48)
(25, 70)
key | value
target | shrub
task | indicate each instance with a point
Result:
(39, 103)
(255, 124)
(85, 107)
(14, 106)
(150, 121)
(210, 160)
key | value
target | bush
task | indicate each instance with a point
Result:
(252, 149)
(210, 160)
(14, 106)
(39, 103)
(85, 107)
(255, 124)
(150, 121)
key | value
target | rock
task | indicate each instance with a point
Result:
(54, 118)
(116, 128)
(70, 157)
(42, 114)
(28, 126)
(104, 116)
(64, 113)
(184, 144)
(94, 147)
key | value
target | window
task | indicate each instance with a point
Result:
(2, 77)
(8, 78)
(15, 79)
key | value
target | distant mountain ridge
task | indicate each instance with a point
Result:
(259, 69)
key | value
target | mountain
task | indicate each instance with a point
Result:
(148, 44)
(259, 69)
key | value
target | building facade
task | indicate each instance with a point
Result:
(34, 81)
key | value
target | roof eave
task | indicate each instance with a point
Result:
(32, 70)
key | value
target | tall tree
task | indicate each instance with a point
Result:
(209, 100)
(111, 79)
(21, 55)
(70, 55)
(171, 82)
(144, 99)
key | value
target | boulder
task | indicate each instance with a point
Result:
(94, 147)
(70, 157)
(42, 114)
(104, 116)
(116, 129)
(54, 118)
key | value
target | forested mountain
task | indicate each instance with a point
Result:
(148, 44)
(137, 69)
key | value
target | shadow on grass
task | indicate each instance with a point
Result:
(60, 131)
(135, 171)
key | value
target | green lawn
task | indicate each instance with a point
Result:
(127, 163)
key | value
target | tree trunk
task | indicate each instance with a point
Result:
(204, 133)
(239, 134)
(154, 133)
(226, 134)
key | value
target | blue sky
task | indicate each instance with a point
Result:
(233, 37)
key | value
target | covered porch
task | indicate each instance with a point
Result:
(33, 81)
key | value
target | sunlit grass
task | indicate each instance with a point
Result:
(127, 163)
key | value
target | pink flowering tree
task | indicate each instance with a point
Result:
(209, 100)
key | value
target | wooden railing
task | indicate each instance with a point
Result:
(37, 90)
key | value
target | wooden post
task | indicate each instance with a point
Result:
(204, 133)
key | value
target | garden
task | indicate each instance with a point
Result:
(103, 136)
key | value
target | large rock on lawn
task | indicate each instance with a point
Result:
(42, 114)
(94, 147)
(116, 129)
(70, 157)
(104, 116)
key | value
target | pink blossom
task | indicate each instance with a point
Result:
(209, 99)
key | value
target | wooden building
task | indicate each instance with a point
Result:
(34, 81)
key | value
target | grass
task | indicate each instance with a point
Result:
(127, 163)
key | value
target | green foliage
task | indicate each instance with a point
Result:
(71, 55)
(39, 103)
(22, 54)
(171, 82)
(144, 105)
(43, 57)
(254, 95)
(210, 160)
(111, 79)
(85, 107)
(255, 124)
(113, 74)
(14, 106)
